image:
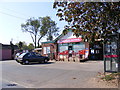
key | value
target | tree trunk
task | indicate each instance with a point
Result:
(32, 39)
(39, 41)
(35, 41)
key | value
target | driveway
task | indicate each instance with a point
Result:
(54, 74)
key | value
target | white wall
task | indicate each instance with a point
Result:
(69, 35)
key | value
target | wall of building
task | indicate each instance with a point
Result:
(53, 50)
(6, 54)
(73, 51)
(69, 35)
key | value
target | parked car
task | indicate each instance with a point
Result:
(27, 58)
(17, 55)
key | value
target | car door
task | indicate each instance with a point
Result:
(39, 57)
(31, 57)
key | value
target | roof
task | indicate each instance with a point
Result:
(38, 49)
(49, 42)
(55, 39)
(6, 46)
(59, 37)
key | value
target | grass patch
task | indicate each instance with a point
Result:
(110, 76)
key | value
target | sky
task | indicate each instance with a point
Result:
(13, 14)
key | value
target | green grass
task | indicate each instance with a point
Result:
(110, 76)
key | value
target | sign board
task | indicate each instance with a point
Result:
(70, 40)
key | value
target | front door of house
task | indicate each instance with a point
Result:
(70, 49)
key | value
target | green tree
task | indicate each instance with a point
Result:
(32, 26)
(93, 20)
(38, 28)
(50, 27)
(20, 45)
(25, 47)
(30, 46)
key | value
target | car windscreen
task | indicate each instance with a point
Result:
(22, 54)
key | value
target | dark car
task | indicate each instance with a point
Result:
(27, 58)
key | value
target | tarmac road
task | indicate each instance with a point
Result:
(54, 74)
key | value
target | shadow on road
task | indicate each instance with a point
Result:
(35, 63)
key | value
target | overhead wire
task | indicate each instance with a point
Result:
(12, 15)
(13, 11)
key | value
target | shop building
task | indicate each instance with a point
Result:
(66, 48)
(49, 49)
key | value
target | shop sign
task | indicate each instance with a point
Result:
(70, 40)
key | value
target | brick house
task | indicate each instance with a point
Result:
(66, 47)
(49, 49)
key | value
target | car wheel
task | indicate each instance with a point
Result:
(25, 62)
(45, 61)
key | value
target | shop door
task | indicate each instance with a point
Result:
(70, 49)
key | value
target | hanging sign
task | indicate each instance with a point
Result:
(70, 40)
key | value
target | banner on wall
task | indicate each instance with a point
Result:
(70, 40)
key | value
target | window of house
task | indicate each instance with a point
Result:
(78, 47)
(46, 50)
(63, 48)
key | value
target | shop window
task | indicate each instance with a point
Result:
(78, 47)
(46, 50)
(63, 48)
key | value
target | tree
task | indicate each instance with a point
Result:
(33, 27)
(93, 20)
(50, 27)
(20, 45)
(12, 48)
(25, 47)
(30, 46)
(40, 27)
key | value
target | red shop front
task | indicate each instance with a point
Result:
(71, 48)
(67, 48)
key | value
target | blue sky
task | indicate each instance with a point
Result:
(13, 14)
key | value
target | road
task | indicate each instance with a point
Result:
(54, 74)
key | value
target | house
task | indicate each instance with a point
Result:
(49, 49)
(66, 48)
(6, 51)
